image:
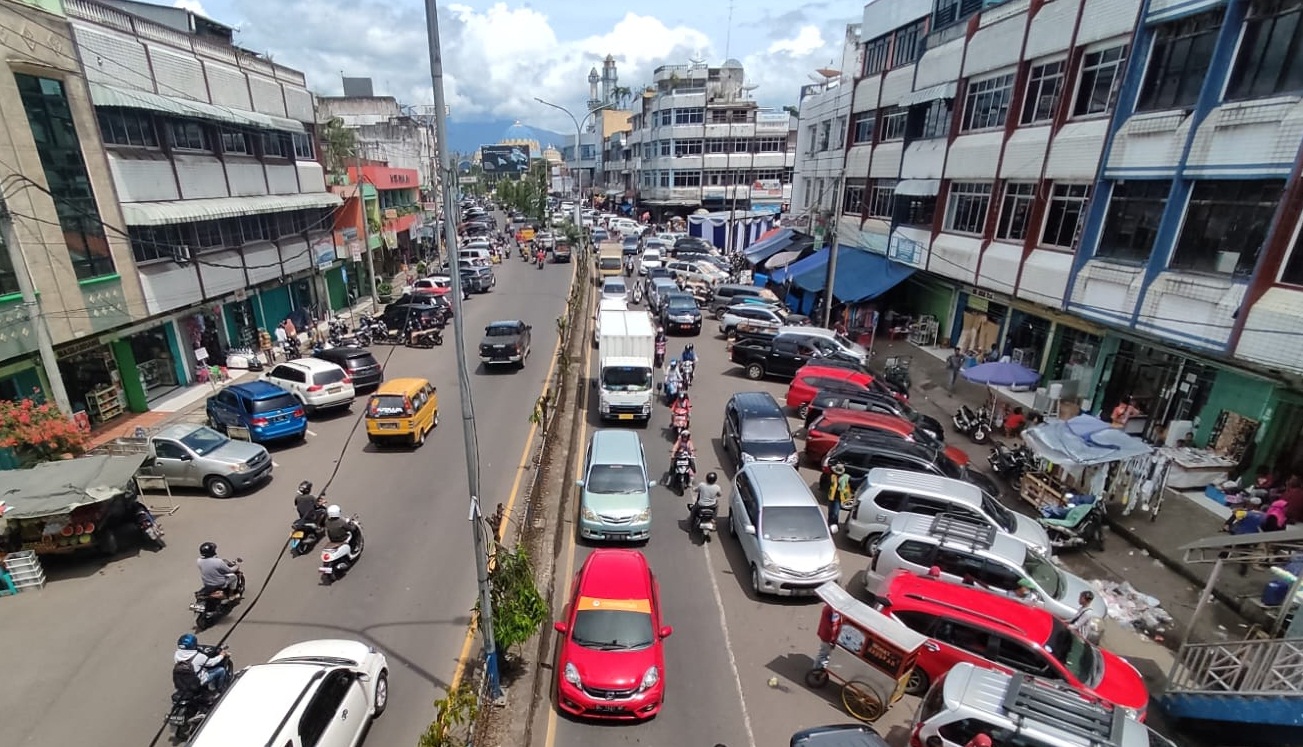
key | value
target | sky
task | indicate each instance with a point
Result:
(499, 55)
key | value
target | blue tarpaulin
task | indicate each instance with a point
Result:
(816, 261)
(768, 247)
(1083, 440)
(861, 275)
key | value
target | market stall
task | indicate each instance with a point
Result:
(68, 506)
(1085, 455)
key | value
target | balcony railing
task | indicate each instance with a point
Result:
(1261, 667)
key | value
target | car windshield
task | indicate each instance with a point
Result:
(682, 303)
(949, 468)
(626, 378)
(386, 406)
(793, 524)
(500, 330)
(1076, 655)
(1003, 516)
(204, 441)
(616, 287)
(651, 255)
(1044, 573)
(765, 430)
(613, 479)
(272, 404)
(612, 630)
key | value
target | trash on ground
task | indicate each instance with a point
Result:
(1128, 606)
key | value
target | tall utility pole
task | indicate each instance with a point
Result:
(44, 343)
(579, 135)
(469, 435)
(366, 229)
(830, 236)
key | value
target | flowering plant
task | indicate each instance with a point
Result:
(38, 432)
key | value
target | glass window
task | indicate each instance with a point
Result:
(687, 178)
(1101, 76)
(771, 144)
(876, 54)
(966, 207)
(960, 732)
(8, 281)
(1226, 224)
(930, 120)
(862, 127)
(126, 127)
(1064, 215)
(254, 228)
(235, 142)
(986, 102)
(687, 147)
(1134, 212)
(881, 198)
(1021, 658)
(963, 636)
(611, 629)
(907, 46)
(919, 622)
(853, 199)
(1015, 210)
(793, 524)
(689, 116)
(915, 210)
(838, 132)
(187, 135)
(825, 130)
(1043, 88)
(912, 551)
(152, 243)
(890, 500)
(718, 145)
(1183, 50)
(57, 144)
(304, 147)
(211, 234)
(666, 147)
(893, 123)
(277, 145)
(1269, 61)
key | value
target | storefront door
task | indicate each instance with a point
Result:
(243, 324)
(94, 385)
(156, 360)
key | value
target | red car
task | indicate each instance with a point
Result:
(611, 661)
(968, 624)
(812, 377)
(832, 425)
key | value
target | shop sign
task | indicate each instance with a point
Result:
(905, 250)
(767, 208)
(355, 250)
(973, 290)
(323, 251)
(391, 213)
(771, 188)
(85, 345)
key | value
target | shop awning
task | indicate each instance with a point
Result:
(768, 247)
(816, 261)
(189, 211)
(861, 275)
(919, 187)
(942, 91)
(102, 95)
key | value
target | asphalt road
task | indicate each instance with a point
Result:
(735, 664)
(88, 659)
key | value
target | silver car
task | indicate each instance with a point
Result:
(616, 493)
(782, 530)
(196, 456)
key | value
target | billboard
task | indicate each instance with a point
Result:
(504, 160)
(767, 189)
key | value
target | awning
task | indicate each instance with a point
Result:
(861, 275)
(102, 95)
(768, 247)
(919, 187)
(783, 259)
(53, 488)
(816, 261)
(189, 211)
(934, 93)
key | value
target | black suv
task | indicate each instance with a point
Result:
(847, 398)
(361, 366)
(864, 450)
(428, 311)
(680, 314)
(755, 430)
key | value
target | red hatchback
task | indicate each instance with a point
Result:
(611, 662)
(833, 424)
(967, 624)
(812, 377)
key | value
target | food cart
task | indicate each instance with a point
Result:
(69, 506)
(872, 657)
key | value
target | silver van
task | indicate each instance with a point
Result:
(782, 529)
(615, 500)
(887, 493)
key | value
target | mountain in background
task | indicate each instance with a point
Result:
(466, 137)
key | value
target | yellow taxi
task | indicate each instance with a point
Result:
(402, 411)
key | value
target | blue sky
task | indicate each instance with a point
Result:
(499, 55)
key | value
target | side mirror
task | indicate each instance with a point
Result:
(560, 627)
(667, 631)
(749, 529)
(187, 458)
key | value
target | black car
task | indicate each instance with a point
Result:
(361, 366)
(631, 246)
(425, 311)
(506, 342)
(690, 244)
(680, 314)
(853, 398)
(866, 450)
(755, 430)
(841, 735)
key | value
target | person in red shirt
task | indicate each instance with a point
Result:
(830, 626)
(1014, 422)
(1293, 497)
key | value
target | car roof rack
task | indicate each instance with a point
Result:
(956, 528)
(1064, 709)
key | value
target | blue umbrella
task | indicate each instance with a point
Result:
(1001, 374)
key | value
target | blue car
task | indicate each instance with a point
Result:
(269, 412)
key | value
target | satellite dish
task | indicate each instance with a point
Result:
(829, 72)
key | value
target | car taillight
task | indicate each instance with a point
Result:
(258, 422)
(298, 412)
(348, 379)
(315, 388)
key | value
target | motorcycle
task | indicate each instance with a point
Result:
(338, 557)
(681, 471)
(213, 606)
(293, 348)
(1080, 524)
(148, 527)
(304, 535)
(423, 336)
(540, 261)
(686, 367)
(679, 421)
(703, 521)
(190, 705)
(243, 359)
(895, 371)
(671, 391)
(973, 424)
(1010, 463)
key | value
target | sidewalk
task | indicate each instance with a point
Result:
(1180, 522)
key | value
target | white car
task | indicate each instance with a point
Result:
(696, 271)
(670, 238)
(755, 314)
(317, 384)
(651, 259)
(615, 288)
(323, 693)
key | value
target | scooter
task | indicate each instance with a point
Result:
(681, 472)
(190, 705)
(686, 367)
(973, 424)
(213, 606)
(703, 521)
(421, 336)
(338, 557)
(679, 421)
(895, 370)
(540, 261)
(148, 527)
(1010, 463)
(304, 536)
(1079, 525)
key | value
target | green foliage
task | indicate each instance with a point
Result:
(338, 145)
(454, 714)
(519, 610)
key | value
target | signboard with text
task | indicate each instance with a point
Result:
(505, 160)
(771, 189)
(323, 251)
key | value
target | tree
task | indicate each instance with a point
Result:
(621, 96)
(338, 144)
(38, 432)
(792, 110)
(519, 610)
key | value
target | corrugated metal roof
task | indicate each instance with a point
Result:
(102, 95)
(189, 211)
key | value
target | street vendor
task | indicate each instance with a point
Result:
(1125, 411)
(830, 626)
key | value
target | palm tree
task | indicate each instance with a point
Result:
(339, 144)
(621, 96)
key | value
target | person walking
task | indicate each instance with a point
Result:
(953, 365)
(839, 493)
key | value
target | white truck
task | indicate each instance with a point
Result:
(626, 355)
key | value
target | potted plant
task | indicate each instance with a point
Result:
(385, 291)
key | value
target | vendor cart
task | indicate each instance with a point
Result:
(872, 658)
(70, 506)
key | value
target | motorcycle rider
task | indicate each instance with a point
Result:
(689, 363)
(682, 407)
(673, 381)
(216, 574)
(539, 256)
(708, 495)
(209, 664)
(684, 444)
(339, 529)
(660, 346)
(311, 509)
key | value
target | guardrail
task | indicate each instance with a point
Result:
(1263, 667)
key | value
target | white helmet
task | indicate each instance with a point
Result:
(333, 512)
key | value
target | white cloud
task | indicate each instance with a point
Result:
(807, 40)
(194, 6)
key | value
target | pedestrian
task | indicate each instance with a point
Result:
(953, 365)
(1125, 411)
(1084, 622)
(282, 339)
(839, 493)
(830, 626)
(1293, 497)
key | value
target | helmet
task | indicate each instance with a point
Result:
(711, 478)
(208, 550)
(689, 347)
(333, 512)
(674, 363)
(305, 487)
(685, 433)
(187, 642)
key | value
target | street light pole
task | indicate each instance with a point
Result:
(469, 435)
(579, 135)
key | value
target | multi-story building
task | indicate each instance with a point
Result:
(384, 130)
(825, 110)
(1105, 191)
(225, 215)
(702, 141)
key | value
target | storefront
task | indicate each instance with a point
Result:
(22, 381)
(91, 377)
(202, 337)
(241, 323)
(157, 360)
(1165, 385)
(978, 323)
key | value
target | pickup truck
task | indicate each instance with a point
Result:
(780, 355)
(506, 342)
(561, 250)
(197, 456)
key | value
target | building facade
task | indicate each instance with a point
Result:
(385, 131)
(825, 111)
(1106, 191)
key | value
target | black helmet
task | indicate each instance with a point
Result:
(711, 478)
(208, 550)
(305, 487)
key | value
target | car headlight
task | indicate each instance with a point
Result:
(646, 409)
(747, 458)
(768, 562)
(650, 678)
(241, 467)
(572, 674)
(644, 516)
(604, 406)
(792, 458)
(588, 513)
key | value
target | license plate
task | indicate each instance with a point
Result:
(325, 569)
(608, 709)
(388, 426)
(624, 416)
(280, 418)
(335, 389)
(617, 535)
(297, 536)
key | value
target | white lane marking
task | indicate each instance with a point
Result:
(312, 433)
(728, 646)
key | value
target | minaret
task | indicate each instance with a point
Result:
(610, 80)
(593, 100)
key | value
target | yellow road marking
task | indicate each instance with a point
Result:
(464, 657)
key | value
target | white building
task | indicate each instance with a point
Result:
(385, 130)
(821, 137)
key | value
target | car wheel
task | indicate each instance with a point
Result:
(869, 541)
(419, 438)
(732, 528)
(804, 411)
(219, 487)
(755, 578)
(381, 693)
(918, 682)
(755, 371)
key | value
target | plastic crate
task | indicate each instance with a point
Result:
(25, 570)
(20, 561)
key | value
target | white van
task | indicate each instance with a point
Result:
(475, 256)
